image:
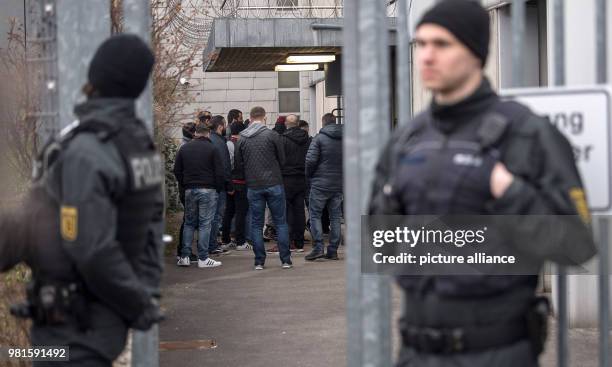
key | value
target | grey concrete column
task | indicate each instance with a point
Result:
(81, 27)
(137, 20)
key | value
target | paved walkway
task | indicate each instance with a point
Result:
(278, 317)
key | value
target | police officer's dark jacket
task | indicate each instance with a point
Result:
(95, 217)
(438, 165)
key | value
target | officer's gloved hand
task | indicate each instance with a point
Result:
(151, 315)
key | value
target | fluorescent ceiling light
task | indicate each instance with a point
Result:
(300, 59)
(297, 67)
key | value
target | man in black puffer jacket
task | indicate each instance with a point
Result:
(260, 153)
(295, 143)
(324, 171)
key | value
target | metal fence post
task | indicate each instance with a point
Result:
(137, 20)
(81, 27)
(374, 103)
(350, 72)
(404, 61)
(601, 48)
(518, 42)
(366, 85)
(559, 80)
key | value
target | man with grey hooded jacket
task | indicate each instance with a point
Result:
(260, 154)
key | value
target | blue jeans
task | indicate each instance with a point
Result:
(275, 198)
(317, 202)
(217, 220)
(200, 205)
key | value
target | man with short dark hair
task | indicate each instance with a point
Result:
(217, 136)
(199, 169)
(237, 203)
(260, 152)
(324, 171)
(204, 117)
(304, 125)
(295, 143)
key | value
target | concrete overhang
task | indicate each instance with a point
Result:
(237, 44)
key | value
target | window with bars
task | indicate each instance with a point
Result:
(289, 92)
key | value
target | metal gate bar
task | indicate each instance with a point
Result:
(366, 82)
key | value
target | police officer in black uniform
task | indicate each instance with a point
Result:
(471, 153)
(91, 228)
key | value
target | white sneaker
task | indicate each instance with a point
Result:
(246, 247)
(208, 263)
(184, 261)
(259, 267)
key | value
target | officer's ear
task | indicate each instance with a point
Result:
(89, 90)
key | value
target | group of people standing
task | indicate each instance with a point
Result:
(233, 180)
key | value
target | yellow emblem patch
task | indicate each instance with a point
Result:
(579, 198)
(69, 223)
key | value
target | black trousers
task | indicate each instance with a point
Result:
(236, 205)
(295, 194)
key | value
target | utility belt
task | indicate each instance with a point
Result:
(54, 304)
(474, 338)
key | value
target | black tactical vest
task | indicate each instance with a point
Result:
(137, 206)
(449, 174)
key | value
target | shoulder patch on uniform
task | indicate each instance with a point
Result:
(579, 198)
(69, 223)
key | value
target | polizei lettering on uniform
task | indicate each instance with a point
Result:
(146, 171)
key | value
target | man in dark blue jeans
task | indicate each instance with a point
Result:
(260, 154)
(217, 137)
(199, 169)
(324, 171)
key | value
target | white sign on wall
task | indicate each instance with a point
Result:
(583, 116)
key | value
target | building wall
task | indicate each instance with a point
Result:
(221, 92)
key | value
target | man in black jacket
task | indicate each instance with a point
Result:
(295, 143)
(472, 154)
(237, 203)
(199, 169)
(217, 136)
(260, 153)
(188, 133)
(324, 171)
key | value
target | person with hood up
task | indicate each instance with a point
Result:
(260, 153)
(295, 143)
(324, 171)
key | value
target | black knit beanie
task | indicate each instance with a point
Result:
(465, 19)
(121, 67)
